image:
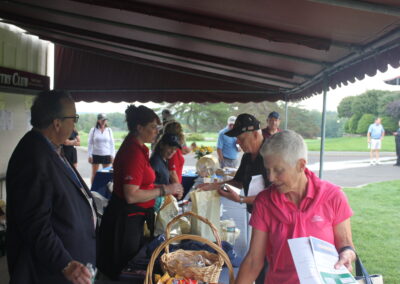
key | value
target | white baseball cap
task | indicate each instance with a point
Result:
(231, 120)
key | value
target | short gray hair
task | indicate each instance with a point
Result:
(287, 144)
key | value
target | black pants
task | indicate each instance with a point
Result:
(398, 150)
(121, 235)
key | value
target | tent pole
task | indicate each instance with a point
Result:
(323, 122)
(286, 112)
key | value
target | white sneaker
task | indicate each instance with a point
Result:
(371, 163)
(378, 163)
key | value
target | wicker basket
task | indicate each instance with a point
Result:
(174, 263)
(200, 272)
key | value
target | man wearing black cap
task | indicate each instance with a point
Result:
(273, 122)
(249, 137)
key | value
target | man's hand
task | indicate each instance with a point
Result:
(77, 273)
(90, 160)
(346, 257)
(230, 194)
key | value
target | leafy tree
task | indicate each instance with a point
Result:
(212, 116)
(88, 120)
(364, 122)
(353, 123)
(393, 109)
(305, 122)
(347, 126)
(334, 126)
(385, 100)
(345, 107)
(366, 103)
(389, 124)
(116, 120)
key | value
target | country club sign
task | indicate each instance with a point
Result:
(12, 78)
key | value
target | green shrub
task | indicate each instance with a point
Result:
(364, 122)
(194, 137)
(353, 123)
(347, 126)
(389, 124)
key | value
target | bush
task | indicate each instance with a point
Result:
(389, 124)
(364, 122)
(194, 137)
(347, 126)
(353, 123)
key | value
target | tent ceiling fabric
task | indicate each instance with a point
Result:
(179, 50)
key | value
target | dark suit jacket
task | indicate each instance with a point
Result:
(50, 222)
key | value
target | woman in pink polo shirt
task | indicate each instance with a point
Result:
(297, 204)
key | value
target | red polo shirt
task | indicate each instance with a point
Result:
(324, 206)
(132, 166)
(176, 163)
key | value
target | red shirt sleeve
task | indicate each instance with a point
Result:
(341, 207)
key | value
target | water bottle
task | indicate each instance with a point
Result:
(230, 232)
(92, 270)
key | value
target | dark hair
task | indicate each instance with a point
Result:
(175, 127)
(140, 115)
(98, 124)
(47, 106)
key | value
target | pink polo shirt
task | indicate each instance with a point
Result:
(324, 206)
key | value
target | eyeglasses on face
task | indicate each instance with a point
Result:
(75, 117)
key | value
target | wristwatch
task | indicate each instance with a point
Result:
(241, 199)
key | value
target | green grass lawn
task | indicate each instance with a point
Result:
(357, 144)
(376, 227)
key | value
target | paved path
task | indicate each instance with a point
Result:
(347, 169)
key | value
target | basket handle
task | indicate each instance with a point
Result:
(205, 220)
(220, 251)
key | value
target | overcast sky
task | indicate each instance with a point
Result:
(333, 99)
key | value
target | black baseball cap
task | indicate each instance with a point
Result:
(171, 140)
(244, 123)
(274, 114)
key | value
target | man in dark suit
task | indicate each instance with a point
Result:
(50, 214)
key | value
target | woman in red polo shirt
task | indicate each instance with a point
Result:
(176, 162)
(132, 201)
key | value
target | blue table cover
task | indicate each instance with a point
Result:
(100, 181)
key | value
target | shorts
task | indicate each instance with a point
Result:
(375, 144)
(70, 154)
(104, 160)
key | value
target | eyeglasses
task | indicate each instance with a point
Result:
(76, 117)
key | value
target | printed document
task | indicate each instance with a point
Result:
(256, 185)
(315, 259)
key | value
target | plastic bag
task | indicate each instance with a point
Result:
(206, 204)
(167, 212)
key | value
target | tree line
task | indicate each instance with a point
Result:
(212, 117)
(360, 111)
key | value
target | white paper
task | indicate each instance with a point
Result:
(325, 256)
(256, 185)
(304, 260)
(315, 259)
